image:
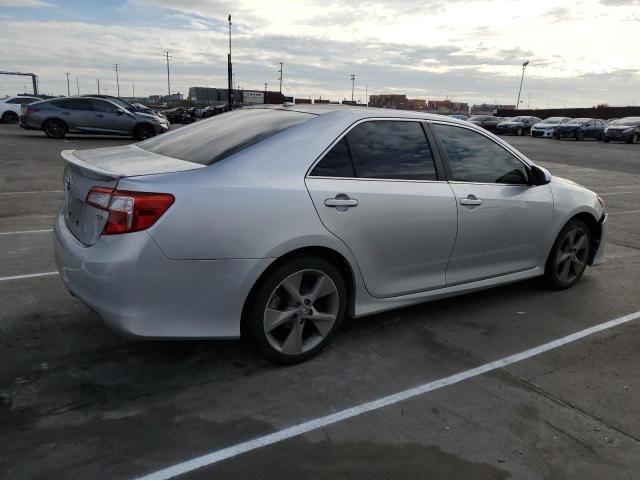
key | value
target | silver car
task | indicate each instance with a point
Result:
(273, 223)
(60, 116)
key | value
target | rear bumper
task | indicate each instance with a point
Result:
(139, 292)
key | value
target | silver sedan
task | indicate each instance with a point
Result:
(274, 223)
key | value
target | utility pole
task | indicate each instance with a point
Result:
(166, 53)
(353, 84)
(524, 65)
(133, 91)
(78, 86)
(265, 91)
(68, 89)
(280, 77)
(366, 95)
(98, 82)
(230, 71)
(115, 67)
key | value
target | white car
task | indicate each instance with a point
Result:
(546, 127)
(10, 107)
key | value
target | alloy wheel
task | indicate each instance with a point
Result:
(301, 312)
(572, 255)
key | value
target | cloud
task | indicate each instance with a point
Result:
(25, 3)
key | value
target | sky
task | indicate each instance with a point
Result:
(468, 51)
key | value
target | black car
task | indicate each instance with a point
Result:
(179, 115)
(488, 122)
(581, 128)
(517, 125)
(626, 129)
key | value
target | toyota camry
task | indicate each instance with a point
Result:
(274, 223)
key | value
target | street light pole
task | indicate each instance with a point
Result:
(98, 82)
(68, 88)
(78, 85)
(115, 67)
(524, 65)
(353, 84)
(280, 78)
(230, 71)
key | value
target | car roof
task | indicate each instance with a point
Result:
(355, 112)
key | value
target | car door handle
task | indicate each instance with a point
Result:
(341, 202)
(471, 200)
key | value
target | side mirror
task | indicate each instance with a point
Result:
(119, 112)
(539, 176)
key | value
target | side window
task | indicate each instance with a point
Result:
(392, 150)
(475, 158)
(102, 106)
(14, 101)
(74, 104)
(336, 163)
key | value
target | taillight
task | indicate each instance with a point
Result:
(129, 211)
(31, 110)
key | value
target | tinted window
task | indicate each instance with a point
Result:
(475, 158)
(73, 104)
(218, 137)
(391, 149)
(102, 106)
(336, 163)
(22, 100)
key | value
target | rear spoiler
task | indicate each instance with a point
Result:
(87, 170)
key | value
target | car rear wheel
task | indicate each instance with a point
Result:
(634, 139)
(144, 131)
(606, 140)
(579, 136)
(519, 132)
(55, 128)
(569, 255)
(295, 310)
(10, 117)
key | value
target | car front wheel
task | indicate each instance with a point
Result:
(295, 310)
(635, 139)
(10, 117)
(144, 131)
(569, 255)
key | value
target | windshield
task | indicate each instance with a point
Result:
(553, 120)
(219, 137)
(519, 119)
(579, 121)
(628, 122)
(478, 118)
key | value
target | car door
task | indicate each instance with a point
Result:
(109, 118)
(77, 113)
(380, 189)
(502, 219)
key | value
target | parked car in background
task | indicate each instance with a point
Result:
(488, 122)
(581, 128)
(179, 115)
(611, 121)
(520, 125)
(546, 127)
(60, 116)
(131, 107)
(212, 110)
(10, 107)
(459, 117)
(282, 199)
(626, 129)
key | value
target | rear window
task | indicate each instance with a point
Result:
(219, 137)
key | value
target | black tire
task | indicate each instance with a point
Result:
(606, 140)
(55, 128)
(143, 131)
(635, 139)
(253, 322)
(579, 136)
(519, 132)
(10, 117)
(556, 136)
(555, 267)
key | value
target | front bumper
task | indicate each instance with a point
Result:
(598, 257)
(546, 132)
(139, 292)
(619, 136)
(566, 133)
(161, 128)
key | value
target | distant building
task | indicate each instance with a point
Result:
(217, 96)
(447, 106)
(204, 95)
(303, 100)
(489, 108)
(320, 100)
(388, 101)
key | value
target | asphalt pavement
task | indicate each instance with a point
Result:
(77, 401)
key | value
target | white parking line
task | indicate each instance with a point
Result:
(31, 192)
(31, 275)
(294, 431)
(21, 232)
(621, 213)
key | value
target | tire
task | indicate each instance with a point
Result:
(519, 132)
(284, 321)
(569, 255)
(579, 136)
(606, 140)
(55, 128)
(143, 131)
(10, 117)
(635, 139)
(556, 136)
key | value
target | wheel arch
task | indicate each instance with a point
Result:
(329, 254)
(595, 228)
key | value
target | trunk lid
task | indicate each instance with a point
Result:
(104, 167)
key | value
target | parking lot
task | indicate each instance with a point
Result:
(77, 401)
